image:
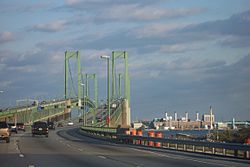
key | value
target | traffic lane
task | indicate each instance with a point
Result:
(124, 154)
(42, 151)
(177, 155)
(78, 150)
(10, 153)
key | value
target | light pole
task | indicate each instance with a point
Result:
(83, 114)
(108, 91)
(1, 91)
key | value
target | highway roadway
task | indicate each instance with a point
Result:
(67, 147)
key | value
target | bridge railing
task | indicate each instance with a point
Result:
(206, 147)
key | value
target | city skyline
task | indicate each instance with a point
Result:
(183, 55)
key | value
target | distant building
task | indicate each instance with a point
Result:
(137, 125)
(184, 123)
(222, 125)
(207, 118)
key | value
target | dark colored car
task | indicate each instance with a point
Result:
(40, 128)
(51, 125)
(20, 126)
(99, 119)
(12, 127)
(4, 132)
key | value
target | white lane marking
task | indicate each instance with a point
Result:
(101, 156)
(21, 155)
(31, 165)
(68, 145)
(79, 149)
(182, 158)
(146, 151)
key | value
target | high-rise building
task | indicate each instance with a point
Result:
(197, 116)
(209, 118)
(175, 116)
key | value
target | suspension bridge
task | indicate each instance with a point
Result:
(110, 121)
(115, 112)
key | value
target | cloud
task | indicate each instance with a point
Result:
(54, 26)
(97, 4)
(180, 66)
(169, 37)
(232, 32)
(156, 29)
(130, 11)
(192, 85)
(236, 25)
(72, 2)
(5, 84)
(180, 48)
(135, 12)
(20, 7)
(23, 69)
(6, 36)
(235, 41)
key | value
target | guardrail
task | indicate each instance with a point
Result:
(215, 148)
(100, 131)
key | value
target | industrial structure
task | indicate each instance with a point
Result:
(184, 123)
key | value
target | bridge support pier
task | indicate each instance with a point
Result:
(247, 154)
(125, 114)
(67, 108)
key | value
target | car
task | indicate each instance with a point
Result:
(99, 119)
(34, 103)
(20, 126)
(70, 123)
(40, 128)
(51, 125)
(4, 132)
(12, 127)
(43, 102)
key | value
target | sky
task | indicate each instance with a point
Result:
(184, 55)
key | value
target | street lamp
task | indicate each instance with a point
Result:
(108, 91)
(84, 123)
(1, 91)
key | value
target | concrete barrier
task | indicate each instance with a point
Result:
(159, 135)
(151, 134)
(139, 133)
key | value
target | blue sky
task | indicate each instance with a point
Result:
(184, 55)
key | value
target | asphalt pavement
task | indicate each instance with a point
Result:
(67, 147)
